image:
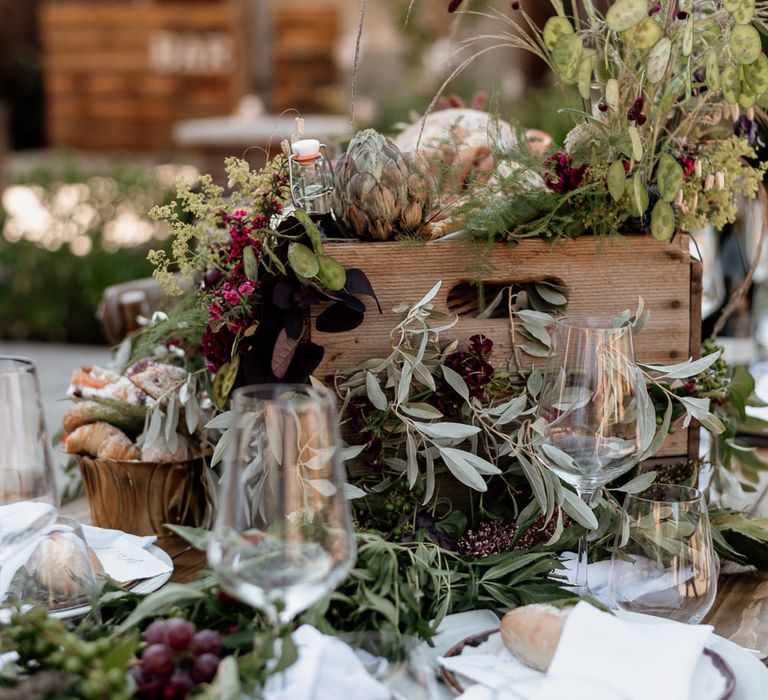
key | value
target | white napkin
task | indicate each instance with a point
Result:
(645, 661)
(123, 556)
(597, 652)
(326, 668)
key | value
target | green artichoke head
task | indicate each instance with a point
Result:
(376, 193)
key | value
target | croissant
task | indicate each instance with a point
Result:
(79, 414)
(103, 441)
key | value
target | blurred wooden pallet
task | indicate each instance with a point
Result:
(120, 75)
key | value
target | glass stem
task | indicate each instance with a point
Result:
(581, 583)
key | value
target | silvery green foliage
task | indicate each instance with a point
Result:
(494, 437)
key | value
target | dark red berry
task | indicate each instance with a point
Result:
(178, 685)
(681, 14)
(155, 633)
(204, 668)
(515, 5)
(211, 278)
(179, 633)
(641, 119)
(602, 106)
(157, 660)
(206, 642)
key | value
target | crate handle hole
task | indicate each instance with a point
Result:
(473, 299)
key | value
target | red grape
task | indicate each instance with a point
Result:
(178, 633)
(205, 667)
(157, 660)
(178, 685)
(206, 642)
(155, 633)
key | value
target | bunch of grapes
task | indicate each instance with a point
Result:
(177, 659)
(45, 644)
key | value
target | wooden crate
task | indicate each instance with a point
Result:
(602, 276)
(120, 75)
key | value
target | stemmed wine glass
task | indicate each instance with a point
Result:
(667, 565)
(587, 427)
(283, 536)
(27, 494)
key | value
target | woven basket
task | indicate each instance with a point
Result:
(141, 497)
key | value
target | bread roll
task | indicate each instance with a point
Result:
(159, 451)
(60, 567)
(531, 633)
(103, 441)
(80, 414)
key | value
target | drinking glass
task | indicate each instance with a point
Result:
(587, 428)
(397, 661)
(27, 495)
(283, 536)
(666, 567)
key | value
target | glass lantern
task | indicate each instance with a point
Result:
(311, 176)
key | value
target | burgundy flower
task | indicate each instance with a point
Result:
(217, 348)
(480, 345)
(491, 537)
(561, 175)
(688, 165)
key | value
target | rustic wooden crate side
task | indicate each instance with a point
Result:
(602, 276)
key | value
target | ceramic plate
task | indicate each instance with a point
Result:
(713, 677)
(146, 585)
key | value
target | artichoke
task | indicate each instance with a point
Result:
(379, 192)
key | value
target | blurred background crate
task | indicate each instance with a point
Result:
(119, 75)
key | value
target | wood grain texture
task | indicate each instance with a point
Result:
(102, 89)
(604, 277)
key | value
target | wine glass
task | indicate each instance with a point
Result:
(283, 535)
(27, 495)
(666, 566)
(587, 428)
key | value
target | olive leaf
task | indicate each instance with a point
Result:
(375, 394)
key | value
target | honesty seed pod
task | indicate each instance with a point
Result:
(669, 177)
(566, 56)
(744, 43)
(554, 29)
(303, 261)
(731, 84)
(662, 221)
(742, 11)
(658, 60)
(625, 14)
(756, 74)
(644, 35)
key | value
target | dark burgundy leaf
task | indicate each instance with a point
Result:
(294, 323)
(282, 296)
(282, 355)
(308, 356)
(358, 283)
(339, 317)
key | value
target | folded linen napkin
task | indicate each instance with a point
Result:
(645, 661)
(326, 668)
(123, 556)
(638, 660)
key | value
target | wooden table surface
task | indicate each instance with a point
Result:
(740, 612)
